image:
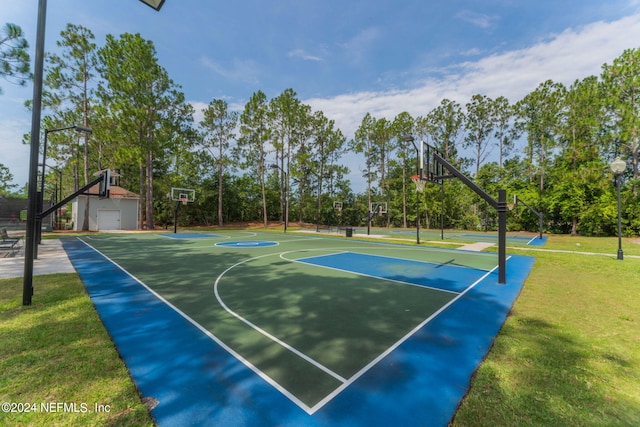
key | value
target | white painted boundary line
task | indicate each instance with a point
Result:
(244, 361)
(262, 331)
(345, 382)
(358, 374)
(301, 261)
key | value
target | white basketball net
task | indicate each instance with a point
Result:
(419, 183)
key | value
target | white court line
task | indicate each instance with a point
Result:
(362, 371)
(301, 261)
(262, 331)
(344, 382)
(207, 333)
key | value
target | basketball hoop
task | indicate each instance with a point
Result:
(182, 195)
(511, 206)
(417, 180)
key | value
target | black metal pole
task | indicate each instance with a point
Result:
(286, 200)
(502, 236)
(27, 284)
(417, 217)
(175, 217)
(409, 138)
(500, 206)
(540, 225)
(41, 201)
(620, 253)
(69, 198)
(535, 212)
(58, 197)
(442, 212)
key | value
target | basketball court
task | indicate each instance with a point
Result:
(249, 328)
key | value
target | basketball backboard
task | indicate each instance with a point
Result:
(185, 195)
(105, 184)
(430, 169)
(378, 208)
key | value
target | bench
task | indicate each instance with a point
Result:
(8, 243)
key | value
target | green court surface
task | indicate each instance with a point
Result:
(309, 315)
(244, 328)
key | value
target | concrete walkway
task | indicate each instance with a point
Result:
(52, 258)
(476, 247)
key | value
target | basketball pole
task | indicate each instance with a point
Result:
(502, 236)
(540, 216)
(499, 205)
(175, 217)
(32, 192)
(419, 153)
(421, 174)
(421, 158)
(442, 211)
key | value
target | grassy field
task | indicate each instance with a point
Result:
(569, 354)
(58, 365)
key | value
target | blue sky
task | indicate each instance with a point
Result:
(345, 58)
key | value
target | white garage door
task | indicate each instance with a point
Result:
(108, 219)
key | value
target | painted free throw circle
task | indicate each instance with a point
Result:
(247, 244)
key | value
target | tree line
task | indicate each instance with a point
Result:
(552, 148)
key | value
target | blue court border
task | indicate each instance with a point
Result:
(537, 241)
(421, 273)
(197, 382)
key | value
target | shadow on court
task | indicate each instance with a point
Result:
(222, 336)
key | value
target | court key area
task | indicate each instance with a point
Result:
(251, 328)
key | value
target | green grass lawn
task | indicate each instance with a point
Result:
(604, 245)
(56, 355)
(569, 354)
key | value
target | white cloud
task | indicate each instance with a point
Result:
(478, 19)
(472, 52)
(573, 54)
(199, 108)
(302, 54)
(357, 47)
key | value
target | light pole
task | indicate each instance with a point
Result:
(36, 111)
(155, 4)
(82, 129)
(409, 138)
(58, 193)
(286, 194)
(617, 167)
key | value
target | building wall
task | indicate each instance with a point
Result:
(128, 208)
